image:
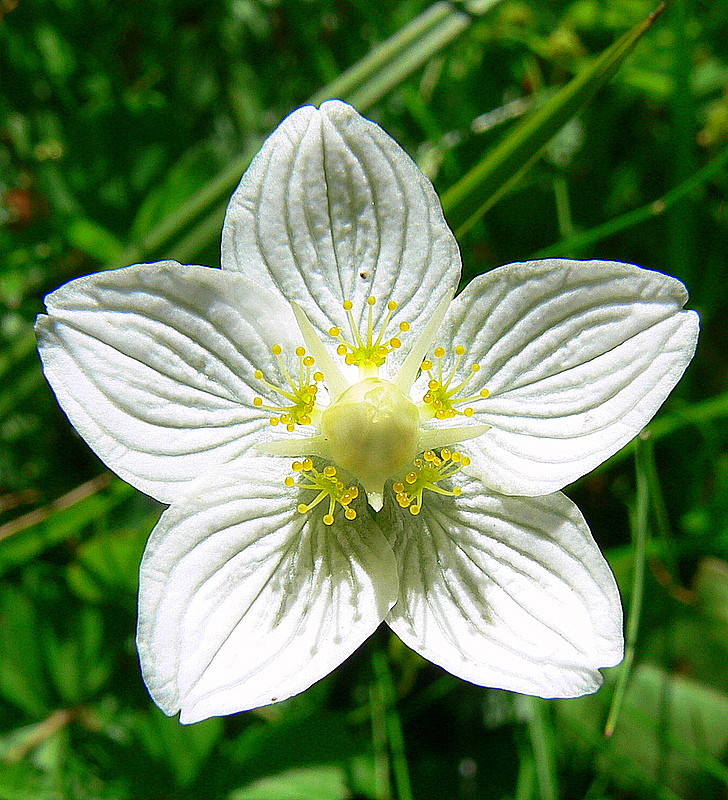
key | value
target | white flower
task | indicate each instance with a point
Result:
(332, 318)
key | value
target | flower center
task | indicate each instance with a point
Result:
(371, 430)
(328, 486)
(444, 393)
(300, 393)
(368, 351)
(427, 473)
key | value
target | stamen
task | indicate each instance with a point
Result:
(328, 487)
(368, 351)
(300, 394)
(429, 470)
(442, 397)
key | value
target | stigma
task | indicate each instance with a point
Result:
(371, 430)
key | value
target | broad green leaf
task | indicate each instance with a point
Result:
(477, 191)
(322, 783)
(666, 719)
(293, 743)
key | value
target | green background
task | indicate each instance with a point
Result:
(124, 127)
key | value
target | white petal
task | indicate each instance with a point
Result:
(154, 364)
(507, 592)
(578, 357)
(244, 601)
(333, 209)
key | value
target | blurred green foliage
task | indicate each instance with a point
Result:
(122, 129)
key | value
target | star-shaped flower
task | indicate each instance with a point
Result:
(327, 367)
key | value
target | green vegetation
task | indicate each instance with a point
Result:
(124, 127)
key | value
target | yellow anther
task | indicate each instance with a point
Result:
(276, 349)
(327, 486)
(300, 351)
(429, 471)
(444, 396)
(367, 349)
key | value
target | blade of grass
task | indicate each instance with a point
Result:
(640, 535)
(503, 167)
(695, 415)
(541, 733)
(379, 59)
(363, 85)
(30, 534)
(410, 61)
(385, 685)
(580, 241)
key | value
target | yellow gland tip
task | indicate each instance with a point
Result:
(367, 349)
(446, 394)
(297, 392)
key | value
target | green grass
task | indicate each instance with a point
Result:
(123, 130)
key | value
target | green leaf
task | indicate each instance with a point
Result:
(323, 783)
(107, 565)
(183, 748)
(477, 191)
(24, 782)
(288, 744)
(23, 679)
(26, 537)
(384, 68)
(93, 239)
